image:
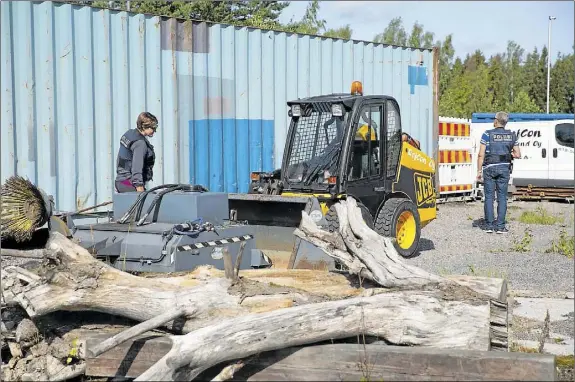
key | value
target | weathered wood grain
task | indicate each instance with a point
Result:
(129, 359)
(392, 363)
(343, 362)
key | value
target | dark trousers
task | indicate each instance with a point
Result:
(495, 178)
(124, 186)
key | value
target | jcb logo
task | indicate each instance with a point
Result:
(424, 191)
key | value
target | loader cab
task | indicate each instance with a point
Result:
(343, 144)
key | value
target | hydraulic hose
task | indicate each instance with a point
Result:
(160, 195)
(141, 204)
(176, 187)
(158, 199)
(189, 188)
(140, 200)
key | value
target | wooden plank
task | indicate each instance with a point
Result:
(129, 359)
(339, 362)
(389, 363)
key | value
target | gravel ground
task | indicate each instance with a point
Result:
(454, 244)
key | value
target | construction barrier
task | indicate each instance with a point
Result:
(447, 142)
(454, 156)
(455, 129)
(456, 176)
(456, 187)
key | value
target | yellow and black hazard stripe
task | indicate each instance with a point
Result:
(213, 243)
(454, 129)
(454, 156)
(456, 187)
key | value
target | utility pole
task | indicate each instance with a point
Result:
(551, 18)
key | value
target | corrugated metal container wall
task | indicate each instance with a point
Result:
(75, 78)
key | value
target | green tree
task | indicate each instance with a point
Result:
(562, 83)
(497, 82)
(481, 99)
(259, 14)
(538, 81)
(420, 38)
(452, 102)
(310, 23)
(394, 33)
(446, 70)
(523, 104)
(512, 68)
(474, 61)
(344, 32)
(530, 69)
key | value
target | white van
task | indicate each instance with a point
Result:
(547, 149)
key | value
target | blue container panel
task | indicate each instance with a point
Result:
(520, 117)
(79, 76)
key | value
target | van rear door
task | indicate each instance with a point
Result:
(533, 167)
(562, 155)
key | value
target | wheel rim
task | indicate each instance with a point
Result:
(405, 230)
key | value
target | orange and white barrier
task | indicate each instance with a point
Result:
(455, 129)
(456, 187)
(455, 157)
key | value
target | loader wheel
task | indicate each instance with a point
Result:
(333, 222)
(399, 219)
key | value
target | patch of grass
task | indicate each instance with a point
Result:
(492, 273)
(564, 245)
(558, 340)
(561, 361)
(523, 244)
(566, 361)
(443, 271)
(539, 216)
(511, 208)
(516, 348)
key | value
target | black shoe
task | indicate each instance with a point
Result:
(502, 230)
(488, 230)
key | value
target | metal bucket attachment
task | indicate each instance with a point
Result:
(274, 219)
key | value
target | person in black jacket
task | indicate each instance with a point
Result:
(136, 157)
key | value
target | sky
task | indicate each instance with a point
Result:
(485, 25)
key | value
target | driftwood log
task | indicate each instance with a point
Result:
(217, 319)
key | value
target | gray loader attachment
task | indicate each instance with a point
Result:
(169, 231)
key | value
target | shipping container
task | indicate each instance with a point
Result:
(74, 78)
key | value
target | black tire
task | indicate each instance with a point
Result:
(387, 221)
(332, 221)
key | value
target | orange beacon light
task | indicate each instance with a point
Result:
(356, 88)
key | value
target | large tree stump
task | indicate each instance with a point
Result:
(233, 319)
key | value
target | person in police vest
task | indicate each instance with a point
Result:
(136, 157)
(498, 148)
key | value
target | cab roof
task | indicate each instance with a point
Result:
(346, 98)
